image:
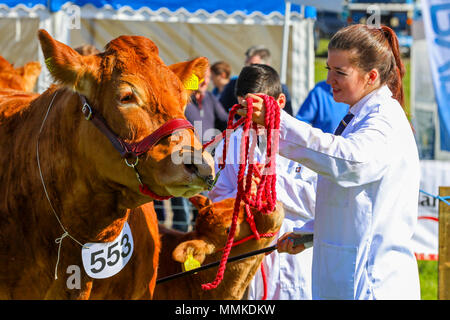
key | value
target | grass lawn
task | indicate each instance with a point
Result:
(428, 273)
(428, 270)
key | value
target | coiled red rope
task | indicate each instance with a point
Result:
(265, 199)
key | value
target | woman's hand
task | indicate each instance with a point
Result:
(259, 108)
(286, 243)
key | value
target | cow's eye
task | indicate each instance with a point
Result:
(127, 98)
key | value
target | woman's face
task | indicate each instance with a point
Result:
(349, 83)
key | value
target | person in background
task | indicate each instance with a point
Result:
(288, 276)
(160, 210)
(220, 76)
(320, 110)
(253, 55)
(204, 108)
(369, 173)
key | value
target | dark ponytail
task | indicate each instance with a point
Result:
(394, 81)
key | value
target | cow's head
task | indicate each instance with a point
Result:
(22, 78)
(212, 227)
(136, 93)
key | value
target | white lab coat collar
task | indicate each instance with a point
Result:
(363, 106)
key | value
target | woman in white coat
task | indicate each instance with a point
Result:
(368, 185)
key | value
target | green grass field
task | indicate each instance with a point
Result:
(428, 273)
(428, 270)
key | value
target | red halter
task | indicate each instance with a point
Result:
(134, 150)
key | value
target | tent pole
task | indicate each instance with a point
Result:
(284, 54)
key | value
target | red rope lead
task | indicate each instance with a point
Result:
(250, 237)
(228, 132)
(264, 277)
(265, 199)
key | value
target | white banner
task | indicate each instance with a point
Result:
(434, 174)
(436, 18)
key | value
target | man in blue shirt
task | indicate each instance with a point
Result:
(320, 110)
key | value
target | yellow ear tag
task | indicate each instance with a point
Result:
(191, 83)
(190, 263)
(48, 63)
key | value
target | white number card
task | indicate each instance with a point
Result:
(103, 260)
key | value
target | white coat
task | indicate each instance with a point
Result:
(366, 203)
(288, 276)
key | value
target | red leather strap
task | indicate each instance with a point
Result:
(128, 150)
(97, 119)
(134, 150)
(165, 130)
(146, 190)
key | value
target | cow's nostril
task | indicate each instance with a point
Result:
(191, 168)
(210, 182)
(209, 179)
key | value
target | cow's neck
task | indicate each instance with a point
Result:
(87, 207)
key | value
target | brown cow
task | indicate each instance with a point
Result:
(62, 178)
(22, 79)
(136, 280)
(205, 241)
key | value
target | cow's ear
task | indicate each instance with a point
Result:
(191, 73)
(5, 65)
(30, 72)
(200, 201)
(198, 248)
(67, 66)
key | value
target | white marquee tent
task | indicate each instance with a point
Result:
(182, 30)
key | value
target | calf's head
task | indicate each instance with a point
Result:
(212, 226)
(136, 93)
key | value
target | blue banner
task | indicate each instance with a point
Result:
(436, 18)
